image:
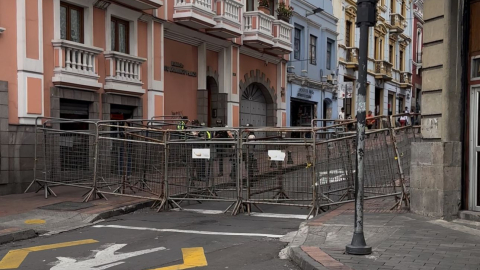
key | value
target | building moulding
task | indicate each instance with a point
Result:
(307, 82)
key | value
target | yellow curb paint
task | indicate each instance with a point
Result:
(14, 258)
(192, 257)
(35, 221)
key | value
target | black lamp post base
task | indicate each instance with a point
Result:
(358, 245)
(358, 250)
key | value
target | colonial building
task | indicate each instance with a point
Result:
(311, 89)
(121, 59)
(417, 47)
(445, 175)
(389, 57)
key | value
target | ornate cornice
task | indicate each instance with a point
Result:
(310, 83)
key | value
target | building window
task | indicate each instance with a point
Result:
(250, 5)
(476, 68)
(329, 53)
(348, 34)
(271, 6)
(120, 35)
(71, 22)
(391, 54)
(402, 64)
(404, 9)
(392, 6)
(296, 53)
(313, 50)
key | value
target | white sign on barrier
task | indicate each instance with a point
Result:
(276, 155)
(201, 153)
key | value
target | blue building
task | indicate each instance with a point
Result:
(311, 89)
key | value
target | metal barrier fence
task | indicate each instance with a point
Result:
(312, 167)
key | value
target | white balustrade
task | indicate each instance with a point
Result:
(127, 67)
(266, 22)
(205, 4)
(232, 10)
(285, 33)
(76, 57)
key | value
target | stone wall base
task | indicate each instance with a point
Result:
(435, 185)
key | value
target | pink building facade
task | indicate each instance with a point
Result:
(135, 59)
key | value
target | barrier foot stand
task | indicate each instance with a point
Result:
(163, 204)
(31, 184)
(178, 205)
(230, 206)
(258, 207)
(48, 191)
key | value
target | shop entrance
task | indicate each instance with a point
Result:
(216, 105)
(327, 110)
(301, 113)
(378, 101)
(475, 150)
(75, 110)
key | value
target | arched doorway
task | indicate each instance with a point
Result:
(255, 106)
(214, 105)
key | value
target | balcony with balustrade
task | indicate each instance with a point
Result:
(76, 65)
(352, 58)
(398, 23)
(198, 14)
(228, 19)
(258, 30)
(123, 73)
(383, 70)
(282, 38)
(405, 79)
(142, 4)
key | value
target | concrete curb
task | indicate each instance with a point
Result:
(24, 234)
(17, 236)
(303, 260)
(121, 211)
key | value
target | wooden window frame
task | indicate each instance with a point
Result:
(401, 58)
(68, 25)
(404, 9)
(330, 43)
(313, 48)
(348, 26)
(114, 23)
(392, 6)
(250, 5)
(297, 52)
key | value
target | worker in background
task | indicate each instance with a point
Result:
(223, 149)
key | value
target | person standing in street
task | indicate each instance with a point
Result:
(370, 120)
(341, 115)
(222, 149)
(404, 118)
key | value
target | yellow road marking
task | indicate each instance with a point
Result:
(14, 258)
(192, 257)
(35, 221)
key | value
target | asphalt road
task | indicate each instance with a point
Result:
(147, 240)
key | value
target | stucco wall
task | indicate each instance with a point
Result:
(181, 90)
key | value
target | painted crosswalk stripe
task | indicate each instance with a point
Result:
(188, 231)
(268, 215)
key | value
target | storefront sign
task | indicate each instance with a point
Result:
(305, 93)
(177, 67)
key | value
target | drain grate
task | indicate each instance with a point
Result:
(66, 206)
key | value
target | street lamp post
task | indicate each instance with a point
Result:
(366, 17)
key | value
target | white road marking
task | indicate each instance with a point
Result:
(272, 215)
(188, 231)
(268, 215)
(104, 259)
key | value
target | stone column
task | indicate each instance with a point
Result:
(436, 162)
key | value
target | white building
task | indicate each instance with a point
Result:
(389, 57)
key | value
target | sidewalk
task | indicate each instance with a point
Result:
(24, 216)
(400, 240)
